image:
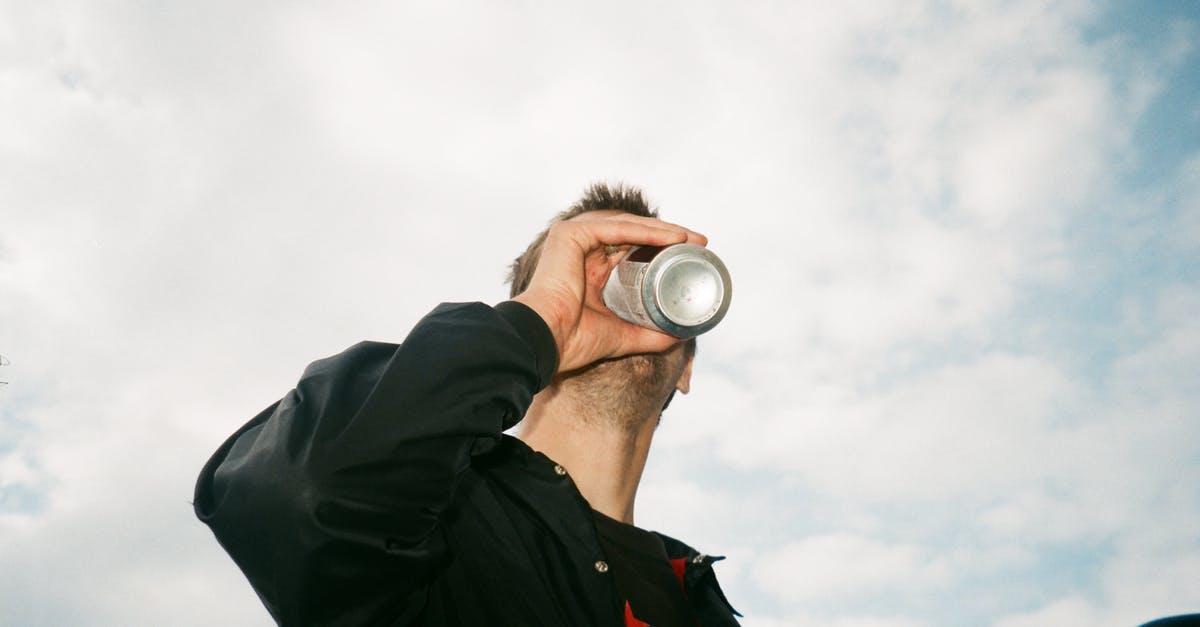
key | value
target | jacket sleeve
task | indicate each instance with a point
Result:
(329, 500)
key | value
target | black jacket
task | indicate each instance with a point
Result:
(382, 491)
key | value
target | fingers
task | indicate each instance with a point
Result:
(626, 229)
(693, 237)
(592, 233)
(648, 341)
(609, 337)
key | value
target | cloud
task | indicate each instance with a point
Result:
(794, 620)
(1188, 232)
(834, 567)
(1071, 611)
(198, 202)
(1014, 455)
(951, 432)
(1141, 583)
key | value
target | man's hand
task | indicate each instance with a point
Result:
(570, 276)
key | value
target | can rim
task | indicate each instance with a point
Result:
(652, 283)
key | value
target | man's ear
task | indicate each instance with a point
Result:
(684, 384)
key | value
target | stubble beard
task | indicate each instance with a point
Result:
(624, 393)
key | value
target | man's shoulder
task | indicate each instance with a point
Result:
(677, 549)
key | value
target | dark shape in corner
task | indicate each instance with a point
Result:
(1183, 620)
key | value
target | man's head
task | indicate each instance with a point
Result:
(597, 197)
(625, 389)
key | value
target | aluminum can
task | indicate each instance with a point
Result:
(683, 290)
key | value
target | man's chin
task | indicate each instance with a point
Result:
(644, 371)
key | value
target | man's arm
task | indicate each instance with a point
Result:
(329, 499)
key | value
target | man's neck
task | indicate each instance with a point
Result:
(604, 461)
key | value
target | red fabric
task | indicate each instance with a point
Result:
(631, 620)
(679, 565)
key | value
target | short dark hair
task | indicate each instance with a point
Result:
(597, 197)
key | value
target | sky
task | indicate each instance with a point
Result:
(956, 386)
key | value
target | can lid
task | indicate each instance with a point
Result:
(686, 290)
(690, 291)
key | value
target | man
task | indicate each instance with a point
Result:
(381, 490)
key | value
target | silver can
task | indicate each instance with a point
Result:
(683, 290)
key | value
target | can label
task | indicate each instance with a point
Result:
(623, 292)
(682, 289)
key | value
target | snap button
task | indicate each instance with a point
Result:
(601, 566)
(698, 559)
(559, 470)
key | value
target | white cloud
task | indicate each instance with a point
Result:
(951, 432)
(1188, 230)
(1071, 611)
(1141, 583)
(1153, 579)
(825, 621)
(834, 567)
(197, 202)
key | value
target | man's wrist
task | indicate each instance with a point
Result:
(548, 314)
(532, 325)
